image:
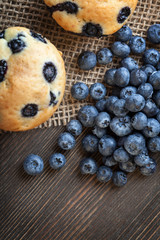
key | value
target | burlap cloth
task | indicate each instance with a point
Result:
(33, 14)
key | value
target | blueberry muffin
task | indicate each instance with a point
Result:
(32, 79)
(91, 18)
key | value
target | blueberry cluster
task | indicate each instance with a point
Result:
(137, 45)
(125, 126)
(124, 129)
(34, 165)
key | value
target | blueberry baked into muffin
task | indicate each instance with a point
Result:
(92, 18)
(32, 79)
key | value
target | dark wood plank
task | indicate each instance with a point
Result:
(66, 205)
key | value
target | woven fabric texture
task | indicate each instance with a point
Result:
(33, 14)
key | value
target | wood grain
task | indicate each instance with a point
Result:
(66, 205)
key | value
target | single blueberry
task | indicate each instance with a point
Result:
(30, 110)
(92, 30)
(33, 164)
(153, 33)
(90, 143)
(88, 166)
(79, 91)
(124, 34)
(109, 161)
(66, 141)
(134, 144)
(99, 132)
(148, 69)
(3, 69)
(104, 56)
(119, 109)
(122, 77)
(104, 174)
(120, 49)
(109, 77)
(137, 44)
(103, 120)
(119, 178)
(38, 37)
(146, 90)
(139, 121)
(97, 91)
(69, 7)
(87, 115)
(154, 144)
(150, 108)
(127, 92)
(129, 166)
(74, 127)
(158, 116)
(101, 105)
(110, 102)
(135, 103)
(57, 161)
(151, 56)
(149, 169)
(121, 126)
(142, 159)
(154, 79)
(53, 100)
(123, 14)
(16, 45)
(156, 97)
(138, 77)
(87, 60)
(107, 145)
(152, 129)
(129, 63)
(120, 155)
(49, 72)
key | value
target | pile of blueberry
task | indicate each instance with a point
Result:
(125, 126)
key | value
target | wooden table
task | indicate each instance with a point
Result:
(66, 205)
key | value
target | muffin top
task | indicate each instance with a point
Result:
(32, 79)
(91, 18)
